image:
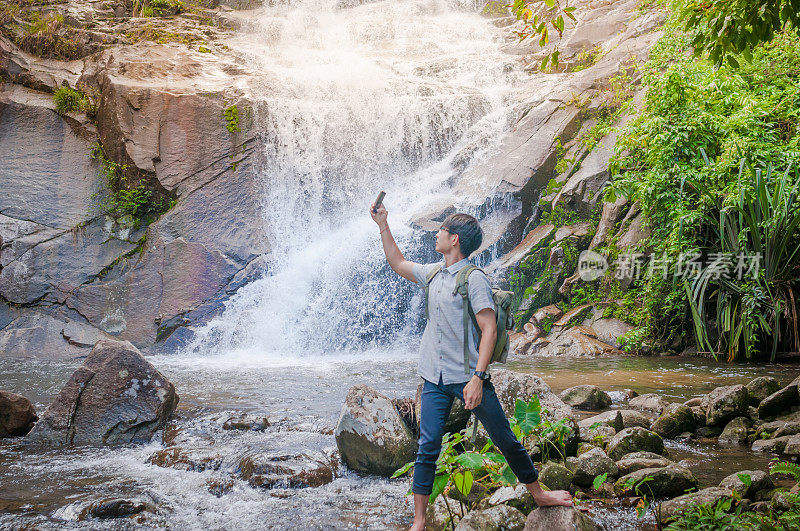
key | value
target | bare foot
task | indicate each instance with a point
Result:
(548, 498)
(417, 527)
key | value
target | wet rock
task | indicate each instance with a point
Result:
(585, 447)
(632, 419)
(674, 420)
(667, 482)
(589, 397)
(640, 460)
(726, 403)
(553, 518)
(632, 440)
(779, 402)
(510, 386)
(220, 487)
(792, 445)
(590, 465)
(600, 434)
(694, 402)
(115, 397)
(710, 496)
(370, 434)
(246, 422)
(459, 415)
(17, 414)
(115, 508)
(608, 418)
(577, 341)
(518, 497)
(555, 476)
(735, 432)
(194, 459)
(759, 481)
(775, 445)
(760, 388)
(497, 518)
(287, 471)
(699, 416)
(648, 402)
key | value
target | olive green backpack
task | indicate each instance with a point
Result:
(502, 300)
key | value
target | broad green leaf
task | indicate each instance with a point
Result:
(599, 480)
(402, 470)
(507, 475)
(439, 484)
(745, 478)
(470, 460)
(463, 482)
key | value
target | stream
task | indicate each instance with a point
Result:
(354, 98)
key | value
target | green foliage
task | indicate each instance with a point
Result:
(760, 221)
(538, 18)
(750, 111)
(231, 115)
(788, 469)
(726, 28)
(156, 8)
(709, 517)
(69, 100)
(599, 480)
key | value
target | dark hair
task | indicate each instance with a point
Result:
(470, 234)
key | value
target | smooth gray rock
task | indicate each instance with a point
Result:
(648, 402)
(726, 403)
(735, 432)
(370, 434)
(590, 465)
(497, 518)
(611, 418)
(638, 460)
(632, 440)
(518, 497)
(759, 481)
(115, 397)
(17, 414)
(36, 334)
(589, 397)
(566, 518)
(710, 496)
(667, 482)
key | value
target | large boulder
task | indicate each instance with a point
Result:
(555, 476)
(553, 518)
(674, 420)
(759, 481)
(497, 518)
(518, 497)
(667, 482)
(632, 440)
(591, 464)
(779, 402)
(710, 496)
(371, 435)
(588, 397)
(648, 402)
(510, 386)
(611, 418)
(17, 414)
(726, 403)
(760, 388)
(735, 432)
(775, 445)
(115, 397)
(639, 460)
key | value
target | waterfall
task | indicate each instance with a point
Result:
(356, 98)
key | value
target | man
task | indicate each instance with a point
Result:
(441, 361)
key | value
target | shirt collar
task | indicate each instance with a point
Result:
(453, 269)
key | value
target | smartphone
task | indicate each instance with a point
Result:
(378, 201)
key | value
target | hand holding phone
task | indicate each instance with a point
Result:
(378, 202)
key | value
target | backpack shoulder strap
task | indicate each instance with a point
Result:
(462, 288)
(432, 273)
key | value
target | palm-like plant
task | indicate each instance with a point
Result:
(761, 223)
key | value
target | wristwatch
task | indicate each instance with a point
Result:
(483, 375)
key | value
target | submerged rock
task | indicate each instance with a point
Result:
(287, 471)
(589, 397)
(115, 508)
(370, 434)
(558, 518)
(246, 422)
(17, 414)
(115, 397)
(497, 518)
(726, 403)
(632, 440)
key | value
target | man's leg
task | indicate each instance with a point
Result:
(434, 411)
(493, 418)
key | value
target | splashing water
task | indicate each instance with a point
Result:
(354, 99)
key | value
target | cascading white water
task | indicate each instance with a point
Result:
(355, 99)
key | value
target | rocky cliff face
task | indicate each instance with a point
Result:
(71, 275)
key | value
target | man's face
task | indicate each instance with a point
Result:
(445, 241)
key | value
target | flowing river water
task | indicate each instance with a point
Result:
(354, 98)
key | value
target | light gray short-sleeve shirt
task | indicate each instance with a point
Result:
(441, 351)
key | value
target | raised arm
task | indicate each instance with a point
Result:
(398, 263)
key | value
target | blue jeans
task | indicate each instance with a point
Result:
(436, 402)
